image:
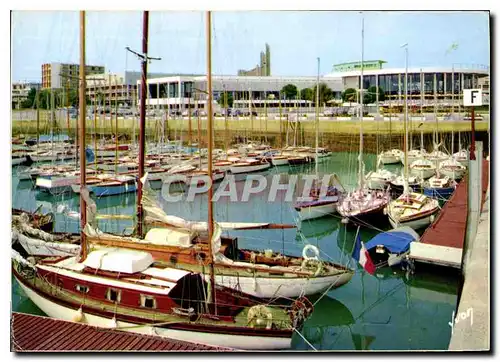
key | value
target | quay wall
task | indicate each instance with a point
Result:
(338, 136)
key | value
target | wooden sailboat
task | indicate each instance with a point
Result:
(411, 209)
(362, 202)
(125, 288)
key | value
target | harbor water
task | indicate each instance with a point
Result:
(391, 310)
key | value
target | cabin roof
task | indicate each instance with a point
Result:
(30, 333)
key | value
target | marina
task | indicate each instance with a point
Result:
(280, 240)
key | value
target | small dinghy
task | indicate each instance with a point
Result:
(391, 246)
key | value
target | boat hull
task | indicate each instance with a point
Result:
(279, 161)
(415, 224)
(229, 340)
(268, 288)
(439, 193)
(453, 174)
(18, 160)
(389, 159)
(423, 173)
(249, 169)
(106, 190)
(317, 211)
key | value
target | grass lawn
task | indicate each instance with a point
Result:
(125, 126)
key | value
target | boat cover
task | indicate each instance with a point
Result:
(396, 240)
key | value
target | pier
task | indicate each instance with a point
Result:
(443, 241)
(31, 333)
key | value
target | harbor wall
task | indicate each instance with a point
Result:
(338, 136)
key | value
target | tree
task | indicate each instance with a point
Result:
(30, 101)
(229, 101)
(349, 95)
(307, 94)
(370, 96)
(289, 91)
(325, 93)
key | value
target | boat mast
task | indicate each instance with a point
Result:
(453, 109)
(82, 113)
(209, 139)
(142, 119)
(406, 187)
(317, 119)
(360, 158)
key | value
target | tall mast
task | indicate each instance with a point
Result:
(82, 114)
(142, 121)
(209, 139)
(360, 171)
(406, 188)
(317, 120)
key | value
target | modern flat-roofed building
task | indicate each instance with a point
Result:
(60, 75)
(435, 86)
(108, 88)
(427, 86)
(181, 92)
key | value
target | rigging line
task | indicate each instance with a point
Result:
(374, 304)
(304, 338)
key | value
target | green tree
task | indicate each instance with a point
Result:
(307, 94)
(30, 101)
(229, 100)
(289, 91)
(325, 93)
(349, 95)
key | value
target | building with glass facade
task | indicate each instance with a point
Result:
(426, 86)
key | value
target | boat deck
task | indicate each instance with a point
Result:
(443, 241)
(31, 333)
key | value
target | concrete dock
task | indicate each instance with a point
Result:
(471, 330)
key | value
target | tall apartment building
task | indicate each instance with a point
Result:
(59, 75)
(262, 70)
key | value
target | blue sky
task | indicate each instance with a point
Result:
(296, 39)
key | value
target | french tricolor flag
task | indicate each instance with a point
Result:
(362, 256)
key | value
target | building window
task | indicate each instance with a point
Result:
(153, 90)
(440, 82)
(113, 295)
(188, 89)
(82, 288)
(429, 83)
(148, 301)
(173, 90)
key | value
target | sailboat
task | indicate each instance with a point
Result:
(410, 209)
(362, 202)
(323, 202)
(124, 288)
(452, 167)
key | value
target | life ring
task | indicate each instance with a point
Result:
(306, 249)
(259, 315)
(309, 264)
